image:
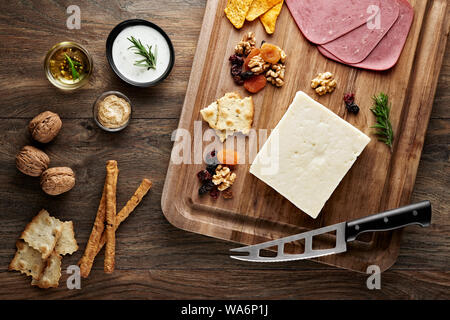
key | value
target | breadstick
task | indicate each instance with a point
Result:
(134, 201)
(91, 250)
(111, 185)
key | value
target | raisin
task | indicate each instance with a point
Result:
(204, 176)
(211, 168)
(206, 187)
(238, 80)
(236, 70)
(236, 60)
(349, 98)
(353, 108)
(247, 75)
(262, 42)
(214, 193)
(227, 194)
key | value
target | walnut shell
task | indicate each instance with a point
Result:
(32, 161)
(55, 181)
(45, 126)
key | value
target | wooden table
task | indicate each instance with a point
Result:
(154, 259)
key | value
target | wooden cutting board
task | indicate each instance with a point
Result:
(379, 179)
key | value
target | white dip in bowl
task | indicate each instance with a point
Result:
(124, 55)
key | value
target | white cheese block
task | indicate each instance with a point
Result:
(308, 153)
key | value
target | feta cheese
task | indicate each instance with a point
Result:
(308, 154)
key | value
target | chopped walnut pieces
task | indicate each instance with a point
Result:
(275, 75)
(246, 45)
(223, 178)
(257, 65)
(324, 83)
(283, 56)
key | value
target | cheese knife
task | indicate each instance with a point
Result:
(413, 214)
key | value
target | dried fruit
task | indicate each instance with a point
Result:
(228, 157)
(349, 98)
(204, 176)
(211, 158)
(255, 84)
(45, 126)
(252, 53)
(32, 161)
(227, 194)
(352, 107)
(211, 168)
(206, 187)
(247, 75)
(214, 193)
(270, 53)
(236, 60)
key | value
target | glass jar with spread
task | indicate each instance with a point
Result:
(112, 111)
(68, 65)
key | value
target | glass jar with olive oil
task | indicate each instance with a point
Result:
(68, 65)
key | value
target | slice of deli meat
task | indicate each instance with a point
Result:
(322, 21)
(387, 52)
(356, 45)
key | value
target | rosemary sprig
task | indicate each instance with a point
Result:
(149, 60)
(72, 64)
(381, 110)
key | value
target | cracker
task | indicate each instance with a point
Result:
(259, 7)
(236, 11)
(210, 115)
(269, 19)
(42, 233)
(67, 244)
(27, 260)
(111, 186)
(235, 114)
(52, 273)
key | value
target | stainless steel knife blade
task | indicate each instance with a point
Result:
(254, 250)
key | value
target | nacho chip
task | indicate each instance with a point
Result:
(67, 244)
(236, 11)
(52, 273)
(269, 19)
(27, 260)
(259, 7)
(42, 233)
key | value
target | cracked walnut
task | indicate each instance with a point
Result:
(223, 178)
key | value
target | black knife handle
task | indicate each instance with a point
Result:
(418, 213)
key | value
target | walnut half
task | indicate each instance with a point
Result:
(324, 83)
(246, 45)
(223, 178)
(276, 74)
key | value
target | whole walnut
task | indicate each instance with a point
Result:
(55, 181)
(32, 161)
(45, 126)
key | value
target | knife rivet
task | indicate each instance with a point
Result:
(357, 227)
(415, 213)
(385, 220)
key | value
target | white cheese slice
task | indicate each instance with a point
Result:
(308, 153)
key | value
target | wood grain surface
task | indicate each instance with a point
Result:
(153, 258)
(379, 180)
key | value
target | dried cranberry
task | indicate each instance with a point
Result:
(206, 187)
(353, 108)
(204, 175)
(214, 193)
(238, 80)
(211, 168)
(349, 98)
(213, 153)
(236, 60)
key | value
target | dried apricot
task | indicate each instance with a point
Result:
(270, 53)
(254, 52)
(255, 84)
(228, 157)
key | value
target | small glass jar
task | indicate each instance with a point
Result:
(95, 110)
(68, 65)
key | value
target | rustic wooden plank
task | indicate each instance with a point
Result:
(216, 284)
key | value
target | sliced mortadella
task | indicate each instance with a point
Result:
(356, 45)
(322, 21)
(387, 52)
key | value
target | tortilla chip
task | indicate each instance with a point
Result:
(52, 273)
(259, 7)
(269, 19)
(236, 11)
(67, 244)
(42, 233)
(27, 260)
